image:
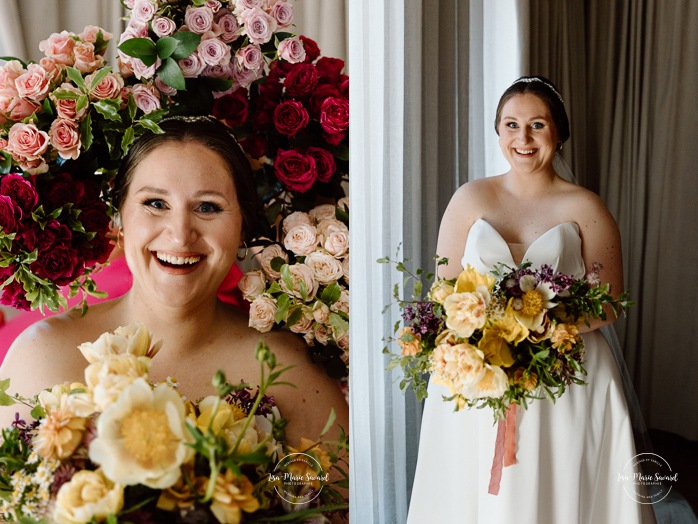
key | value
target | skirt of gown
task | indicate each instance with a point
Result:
(570, 456)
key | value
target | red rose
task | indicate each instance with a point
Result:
(312, 51)
(42, 239)
(21, 191)
(296, 171)
(330, 67)
(321, 92)
(334, 115)
(232, 108)
(344, 86)
(8, 215)
(13, 295)
(97, 251)
(334, 139)
(301, 80)
(324, 161)
(255, 146)
(94, 217)
(59, 263)
(62, 190)
(290, 117)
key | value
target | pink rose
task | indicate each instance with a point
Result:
(282, 12)
(163, 26)
(8, 215)
(27, 142)
(59, 47)
(198, 19)
(21, 191)
(213, 52)
(290, 117)
(143, 11)
(34, 84)
(295, 170)
(9, 73)
(292, 50)
(66, 108)
(142, 71)
(324, 160)
(243, 77)
(21, 108)
(108, 88)
(218, 71)
(250, 57)
(52, 68)
(228, 25)
(65, 138)
(259, 26)
(301, 80)
(334, 115)
(89, 34)
(164, 88)
(213, 5)
(147, 97)
(85, 59)
(192, 66)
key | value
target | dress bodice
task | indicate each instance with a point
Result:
(560, 247)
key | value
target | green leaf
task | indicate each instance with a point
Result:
(166, 46)
(283, 303)
(150, 126)
(38, 412)
(86, 135)
(170, 73)
(142, 48)
(5, 162)
(331, 293)
(338, 324)
(132, 107)
(83, 102)
(77, 78)
(127, 139)
(4, 384)
(187, 42)
(99, 76)
(330, 423)
(65, 94)
(109, 109)
(6, 400)
(286, 276)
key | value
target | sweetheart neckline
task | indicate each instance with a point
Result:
(511, 256)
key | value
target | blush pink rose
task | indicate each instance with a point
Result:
(21, 108)
(259, 26)
(199, 19)
(164, 88)
(292, 50)
(213, 52)
(250, 57)
(142, 71)
(213, 5)
(108, 88)
(192, 66)
(67, 108)
(89, 34)
(86, 61)
(143, 11)
(27, 142)
(34, 84)
(229, 28)
(65, 138)
(296, 171)
(59, 47)
(282, 12)
(163, 26)
(147, 97)
(53, 69)
(218, 71)
(243, 77)
(9, 73)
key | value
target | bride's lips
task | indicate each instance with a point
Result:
(524, 152)
(178, 263)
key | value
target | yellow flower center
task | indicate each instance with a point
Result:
(148, 438)
(532, 303)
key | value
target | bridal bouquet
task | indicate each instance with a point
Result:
(303, 284)
(499, 339)
(64, 124)
(121, 449)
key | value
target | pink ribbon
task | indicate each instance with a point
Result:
(504, 448)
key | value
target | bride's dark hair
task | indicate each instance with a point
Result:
(547, 92)
(210, 133)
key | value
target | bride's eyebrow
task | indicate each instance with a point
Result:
(151, 189)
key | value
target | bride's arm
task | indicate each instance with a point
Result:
(459, 216)
(601, 244)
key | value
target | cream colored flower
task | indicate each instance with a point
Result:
(326, 269)
(262, 313)
(294, 219)
(410, 342)
(142, 437)
(457, 366)
(345, 268)
(321, 333)
(342, 303)
(440, 290)
(466, 312)
(252, 284)
(304, 323)
(266, 257)
(322, 212)
(343, 341)
(301, 239)
(304, 282)
(531, 308)
(336, 240)
(60, 433)
(214, 415)
(232, 495)
(107, 378)
(88, 495)
(493, 384)
(133, 339)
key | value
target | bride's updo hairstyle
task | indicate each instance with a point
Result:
(546, 91)
(210, 133)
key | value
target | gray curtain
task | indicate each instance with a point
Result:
(628, 70)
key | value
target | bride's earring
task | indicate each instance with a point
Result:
(119, 236)
(244, 256)
(559, 146)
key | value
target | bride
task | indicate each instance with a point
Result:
(569, 454)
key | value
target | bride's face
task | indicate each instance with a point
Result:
(527, 133)
(181, 223)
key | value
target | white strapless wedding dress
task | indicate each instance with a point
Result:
(569, 454)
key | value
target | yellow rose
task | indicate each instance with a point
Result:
(495, 347)
(470, 281)
(88, 495)
(440, 290)
(410, 342)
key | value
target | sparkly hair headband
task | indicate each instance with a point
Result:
(529, 79)
(200, 119)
